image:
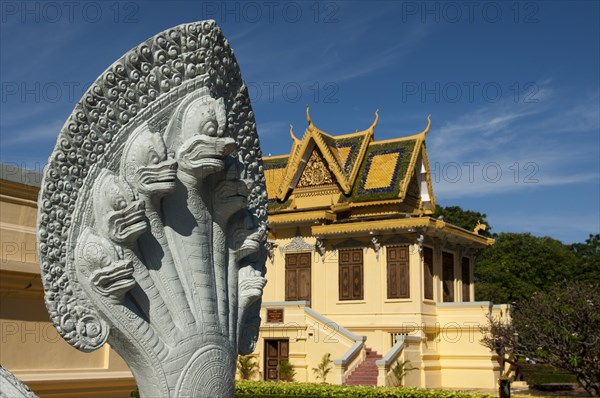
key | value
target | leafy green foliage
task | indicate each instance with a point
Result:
(323, 368)
(518, 265)
(286, 371)
(401, 369)
(543, 374)
(275, 389)
(247, 367)
(499, 336)
(588, 255)
(562, 328)
(466, 219)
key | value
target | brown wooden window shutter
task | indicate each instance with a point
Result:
(448, 276)
(466, 279)
(351, 274)
(398, 277)
(428, 272)
(297, 276)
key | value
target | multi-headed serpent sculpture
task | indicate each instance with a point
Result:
(152, 220)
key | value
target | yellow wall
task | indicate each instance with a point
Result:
(30, 346)
(448, 353)
(310, 338)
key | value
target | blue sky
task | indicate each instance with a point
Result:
(512, 87)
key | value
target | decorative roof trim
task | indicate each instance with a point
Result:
(370, 226)
(295, 217)
(413, 161)
(425, 159)
(381, 226)
(292, 133)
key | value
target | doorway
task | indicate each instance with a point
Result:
(275, 352)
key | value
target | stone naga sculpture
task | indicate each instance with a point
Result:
(152, 216)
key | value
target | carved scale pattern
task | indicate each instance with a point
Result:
(148, 80)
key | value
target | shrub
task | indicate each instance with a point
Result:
(323, 368)
(247, 367)
(245, 389)
(286, 371)
(401, 369)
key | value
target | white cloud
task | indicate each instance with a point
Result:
(520, 140)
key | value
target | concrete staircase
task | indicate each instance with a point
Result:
(366, 372)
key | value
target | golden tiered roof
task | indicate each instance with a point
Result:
(353, 169)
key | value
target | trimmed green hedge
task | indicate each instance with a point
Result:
(277, 389)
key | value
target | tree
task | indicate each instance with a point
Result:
(562, 328)
(247, 367)
(467, 219)
(588, 254)
(499, 335)
(323, 368)
(518, 265)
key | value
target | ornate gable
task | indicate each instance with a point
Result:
(315, 172)
(341, 160)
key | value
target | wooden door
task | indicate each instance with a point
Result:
(275, 352)
(297, 276)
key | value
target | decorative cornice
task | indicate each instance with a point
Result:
(18, 193)
(297, 244)
(379, 226)
(20, 284)
(304, 216)
(388, 226)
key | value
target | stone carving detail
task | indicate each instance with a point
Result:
(376, 246)
(315, 173)
(320, 248)
(420, 241)
(271, 244)
(11, 387)
(152, 220)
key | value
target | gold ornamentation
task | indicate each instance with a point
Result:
(479, 227)
(315, 172)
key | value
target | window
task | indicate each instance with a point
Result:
(398, 279)
(466, 279)
(448, 276)
(351, 274)
(297, 277)
(428, 272)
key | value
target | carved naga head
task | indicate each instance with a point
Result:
(196, 131)
(145, 164)
(99, 262)
(119, 217)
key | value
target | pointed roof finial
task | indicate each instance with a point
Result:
(428, 125)
(375, 121)
(292, 133)
(308, 119)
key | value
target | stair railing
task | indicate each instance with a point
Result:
(396, 355)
